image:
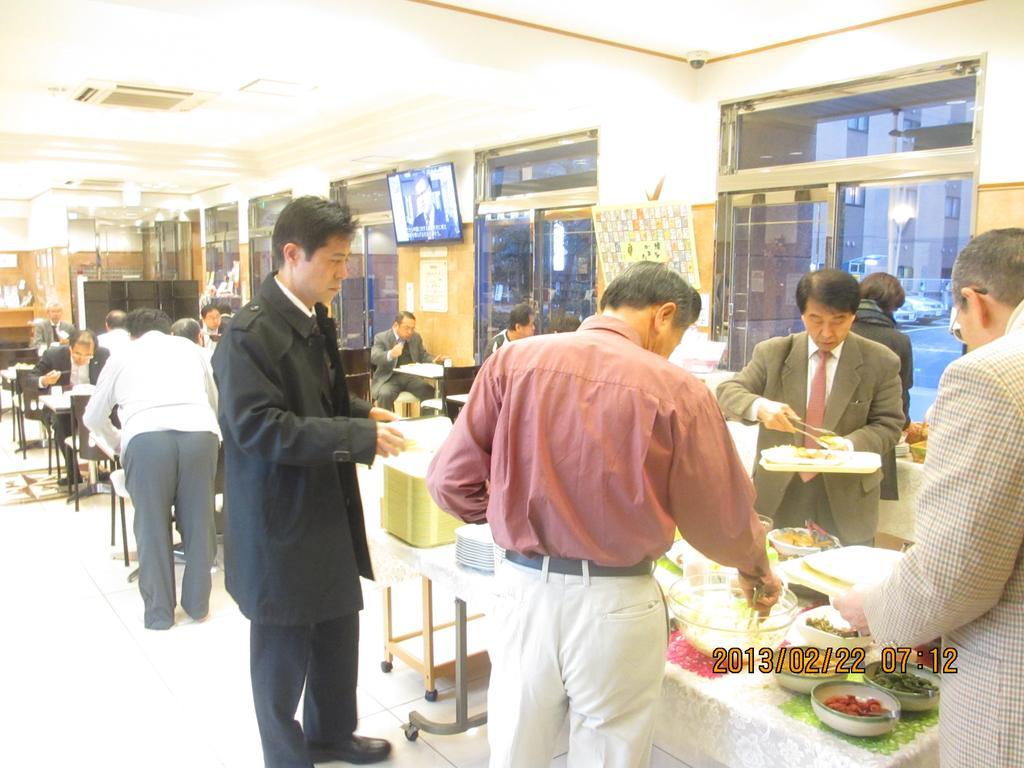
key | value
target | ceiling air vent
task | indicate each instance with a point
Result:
(139, 97)
(112, 184)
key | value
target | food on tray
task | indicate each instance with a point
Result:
(824, 625)
(834, 441)
(851, 705)
(905, 683)
(803, 537)
(798, 454)
(917, 432)
(918, 451)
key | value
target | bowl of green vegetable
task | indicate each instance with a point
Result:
(917, 689)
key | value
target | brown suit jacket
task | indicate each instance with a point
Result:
(865, 405)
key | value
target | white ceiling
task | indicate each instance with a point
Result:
(391, 80)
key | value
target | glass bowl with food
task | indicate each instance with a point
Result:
(713, 612)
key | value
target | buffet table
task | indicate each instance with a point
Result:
(732, 720)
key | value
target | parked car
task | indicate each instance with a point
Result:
(904, 315)
(926, 309)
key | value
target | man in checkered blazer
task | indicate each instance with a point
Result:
(964, 578)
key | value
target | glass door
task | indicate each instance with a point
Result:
(771, 240)
(368, 300)
(544, 257)
(568, 264)
(913, 231)
(504, 270)
(263, 213)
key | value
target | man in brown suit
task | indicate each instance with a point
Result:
(857, 396)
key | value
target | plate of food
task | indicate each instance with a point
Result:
(798, 454)
(792, 542)
(824, 628)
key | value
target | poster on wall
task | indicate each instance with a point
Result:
(434, 285)
(655, 231)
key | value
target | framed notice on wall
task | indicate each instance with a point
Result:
(654, 231)
(434, 285)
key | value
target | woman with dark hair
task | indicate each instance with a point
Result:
(880, 295)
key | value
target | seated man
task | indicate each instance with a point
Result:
(68, 366)
(210, 315)
(116, 338)
(520, 326)
(399, 346)
(51, 329)
(830, 379)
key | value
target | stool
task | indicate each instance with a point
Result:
(407, 405)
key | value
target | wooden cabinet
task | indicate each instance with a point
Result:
(16, 326)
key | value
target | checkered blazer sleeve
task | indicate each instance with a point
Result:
(970, 514)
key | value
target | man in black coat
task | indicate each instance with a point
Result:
(80, 362)
(295, 544)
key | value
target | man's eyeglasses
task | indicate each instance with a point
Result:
(954, 313)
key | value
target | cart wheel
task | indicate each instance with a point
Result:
(431, 695)
(385, 666)
(412, 732)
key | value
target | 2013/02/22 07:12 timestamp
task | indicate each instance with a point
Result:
(798, 659)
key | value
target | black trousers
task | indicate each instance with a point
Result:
(61, 431)
(325, 658)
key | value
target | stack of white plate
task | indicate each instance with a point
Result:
(475, 548)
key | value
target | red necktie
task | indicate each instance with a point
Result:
(815, 416)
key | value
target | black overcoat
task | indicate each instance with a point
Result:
(294, 542)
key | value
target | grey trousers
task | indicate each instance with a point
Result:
(164, 470)
(399, 383)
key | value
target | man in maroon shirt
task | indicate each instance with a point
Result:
(585, 451)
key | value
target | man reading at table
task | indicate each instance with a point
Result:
(398, 346)
(80, 362)
(585, 451)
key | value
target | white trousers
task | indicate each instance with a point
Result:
(593, 647)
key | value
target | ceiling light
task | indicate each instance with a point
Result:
(767, 157)
(956, 101)
(795, 154)
(267, 87)
(138, 222)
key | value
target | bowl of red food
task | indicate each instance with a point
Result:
(855, 709)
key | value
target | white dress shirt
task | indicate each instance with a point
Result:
(307, 311)
(115, 340)
(158, 383)
(79, 373)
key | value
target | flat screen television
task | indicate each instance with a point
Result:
(424, 205)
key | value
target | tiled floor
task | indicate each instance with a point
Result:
(85, 684)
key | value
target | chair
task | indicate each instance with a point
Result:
(30, 408)
(358, 385)
(118, 493)
(456, 381)
(355, 361)
(81, 442)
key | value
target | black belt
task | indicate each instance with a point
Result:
(575, 567)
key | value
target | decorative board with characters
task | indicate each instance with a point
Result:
(654, 231)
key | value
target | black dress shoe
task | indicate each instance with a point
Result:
(359, 750)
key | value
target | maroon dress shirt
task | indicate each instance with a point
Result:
(584, 445)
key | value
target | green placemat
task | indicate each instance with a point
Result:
(910, 726)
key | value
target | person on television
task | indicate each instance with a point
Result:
(432, 221)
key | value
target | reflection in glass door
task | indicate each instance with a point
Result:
(568, 261)
(913, 231)
(544, 257)
(773, 238)
(504, 271)
(368, 300)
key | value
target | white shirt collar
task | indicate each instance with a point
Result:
(293, 298)
(812, 348)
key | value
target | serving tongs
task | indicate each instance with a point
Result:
(816, 439)
(819, 430)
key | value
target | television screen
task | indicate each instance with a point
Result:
(424, 205)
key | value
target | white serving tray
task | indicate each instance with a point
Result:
(853, 463)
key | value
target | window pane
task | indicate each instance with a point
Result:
(362, 196)
(913, 231)
(563, 166)
(907, 119)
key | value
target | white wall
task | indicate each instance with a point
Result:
(995, 27)
(13, 233)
